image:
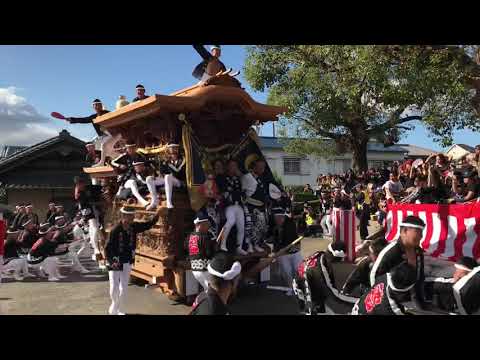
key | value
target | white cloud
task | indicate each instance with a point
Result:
(20, 122)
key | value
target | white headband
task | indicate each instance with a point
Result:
(390, 284)
(59, 218)
(29, 206)
(229, 274)
(462, 267)
(336, 253)
(415, 226)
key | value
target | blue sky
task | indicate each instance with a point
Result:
(36, 80)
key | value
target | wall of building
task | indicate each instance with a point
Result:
(311, 167)
(457, 152)
(40, 199)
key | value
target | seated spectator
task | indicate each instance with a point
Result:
(308, 189)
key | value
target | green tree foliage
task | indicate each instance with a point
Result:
(353, 94)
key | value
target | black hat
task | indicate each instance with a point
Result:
(469, 174)
(413, 222)
(96, 101)
(466, 263)
(215, 47)
(44, 228)
(127, 210)
(29, 205)
(201, 217)
(337, 249)
(402, 278)
(140, 86)
(222, 266)
(130, 143)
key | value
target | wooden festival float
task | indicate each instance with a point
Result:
(209, 120)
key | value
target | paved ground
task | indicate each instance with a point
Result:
(88, 294)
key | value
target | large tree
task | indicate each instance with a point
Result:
(353, 94)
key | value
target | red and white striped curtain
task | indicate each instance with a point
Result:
(452, 231)
(345, 229)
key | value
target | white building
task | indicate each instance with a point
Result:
(459, 150)
(295, 170)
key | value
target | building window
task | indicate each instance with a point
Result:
(292, 166)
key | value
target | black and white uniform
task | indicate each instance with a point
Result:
(462, 297)
(201, 248)
(379, 300)
(42, 255)
(314, 286)
(256, 191)
(86, 204)
(358, 282)
(127, 161)
(120, 254)
(230, 187)
(18, 220)
(209, 303)
(200, 72)
(175, 176)
(11, 261)
(138, 185)
(282, 237)
(392, 255)
(25, 241)
(89, 120)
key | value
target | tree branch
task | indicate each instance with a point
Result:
(392, 123)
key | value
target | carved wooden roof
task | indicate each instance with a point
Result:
(193, 99)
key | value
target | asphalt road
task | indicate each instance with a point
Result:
(88, 294)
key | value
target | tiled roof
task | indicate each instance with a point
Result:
(28, 151)
(37, 187)
(414, 150)
(9, 150)
(268, 142)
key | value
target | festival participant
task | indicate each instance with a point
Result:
(314, 283)
(140, 93)
(93, 156)
(174, 170)
(358, 282)
(143, 182)
(120, 254)
(326, 221)
(231, 192)
(406, 247)
(27, 237)
(256, 192)
(87, 196)
(123, 164)
(42, 252)
(104, 136)
(19, 218)
(283, 234)
(447, 294)
(201, 248)
(51, 211)
(10, 260)
(224, 273)
(211, 64)
(62, 239)
(30, 214)
(60, 211)
(388, 293)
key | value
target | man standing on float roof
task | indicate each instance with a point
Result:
(211, 63)
(104, 136)
(140, 93)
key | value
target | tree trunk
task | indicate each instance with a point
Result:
(359, 153)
